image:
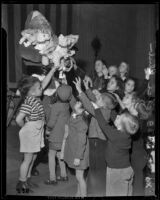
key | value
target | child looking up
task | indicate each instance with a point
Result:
(31, 120)
(123, 70)
(98, 80)
(76, 150)
(119, 172)
(97, 141)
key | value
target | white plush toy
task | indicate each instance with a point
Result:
(38, 33)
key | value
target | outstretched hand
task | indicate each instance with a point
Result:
(78, 84)
(147, 72)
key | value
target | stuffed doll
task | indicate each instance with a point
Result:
(39, 34)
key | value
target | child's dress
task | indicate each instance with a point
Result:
(31, 134)
(77, 145)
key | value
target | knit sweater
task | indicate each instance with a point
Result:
(118, 144)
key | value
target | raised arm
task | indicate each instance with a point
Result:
(85, 101)
(89, 93)
(109, 131)
(143, 86)
(47, 79)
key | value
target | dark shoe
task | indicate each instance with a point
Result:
(34, 172)
(22, 187)
(31, 184)
(60, 178)
(49, 182)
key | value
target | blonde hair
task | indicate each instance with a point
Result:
(130, 123)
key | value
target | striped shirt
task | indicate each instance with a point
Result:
(33, 108)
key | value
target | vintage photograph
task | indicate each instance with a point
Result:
(80, 102)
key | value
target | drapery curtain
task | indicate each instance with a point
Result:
(13, 22)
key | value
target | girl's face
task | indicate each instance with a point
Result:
(112, 85)
(123, 68)
(129, 86)
(98, 66)
(112, 70)
(78, 107)
(127, 100)
(36, 90)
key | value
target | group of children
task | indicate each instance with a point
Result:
(107, 108)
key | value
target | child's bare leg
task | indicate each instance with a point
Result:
(78, 194)
(52, 164)
(62, 165)
(82, 183)
(31, 165)
(25, 166)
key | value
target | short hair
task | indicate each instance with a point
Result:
(25, 83)
(130, 123)
(120, 83)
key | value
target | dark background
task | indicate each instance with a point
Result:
(124, 30)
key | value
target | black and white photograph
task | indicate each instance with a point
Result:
(80, 99)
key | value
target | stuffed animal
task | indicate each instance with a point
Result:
(38, 33)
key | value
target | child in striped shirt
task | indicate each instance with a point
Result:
(31, 120)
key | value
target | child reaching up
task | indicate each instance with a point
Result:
(31, 120)
(119, 175)
(76, 150)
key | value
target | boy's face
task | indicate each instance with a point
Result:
(112, 70)
(112, 85)
(129, 86)
(123, 67)
(98, 66)
(36, 90)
